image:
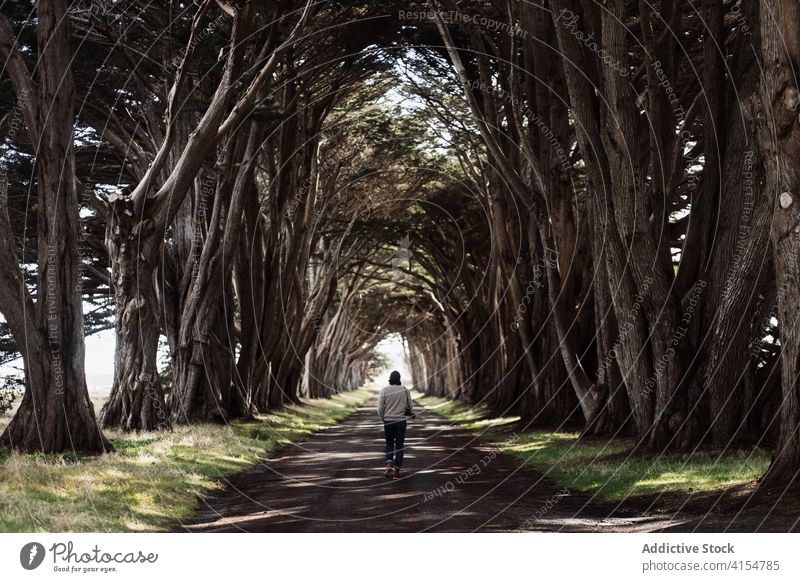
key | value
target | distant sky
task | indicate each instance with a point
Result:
(392, 346)
(100, 359)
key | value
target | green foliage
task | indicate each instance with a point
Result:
(378, 362)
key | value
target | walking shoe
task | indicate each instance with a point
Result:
(396, 473)
(390, 470)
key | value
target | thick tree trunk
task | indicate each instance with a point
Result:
(202, 368)
(137, 399)
(613, 412)
(205, 358)
(249, 288)
(738, 270)
(55, 414)
(776, 121)
(643, 250)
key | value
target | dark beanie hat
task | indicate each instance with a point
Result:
(394, 377)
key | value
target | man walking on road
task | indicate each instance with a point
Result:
(394, 405)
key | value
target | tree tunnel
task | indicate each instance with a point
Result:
(272, 192)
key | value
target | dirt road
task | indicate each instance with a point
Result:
(333, 482)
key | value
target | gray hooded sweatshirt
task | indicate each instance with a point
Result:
(393, 402)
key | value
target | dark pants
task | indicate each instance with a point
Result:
(395, 433)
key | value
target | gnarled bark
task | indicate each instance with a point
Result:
(55, 414)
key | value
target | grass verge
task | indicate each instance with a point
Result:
(153, 480)
(602, 466)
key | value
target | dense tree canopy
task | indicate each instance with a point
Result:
(579, 212)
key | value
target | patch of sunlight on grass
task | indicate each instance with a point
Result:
(603, 466)
(153, 480)
(453, 410)
(487, 423)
